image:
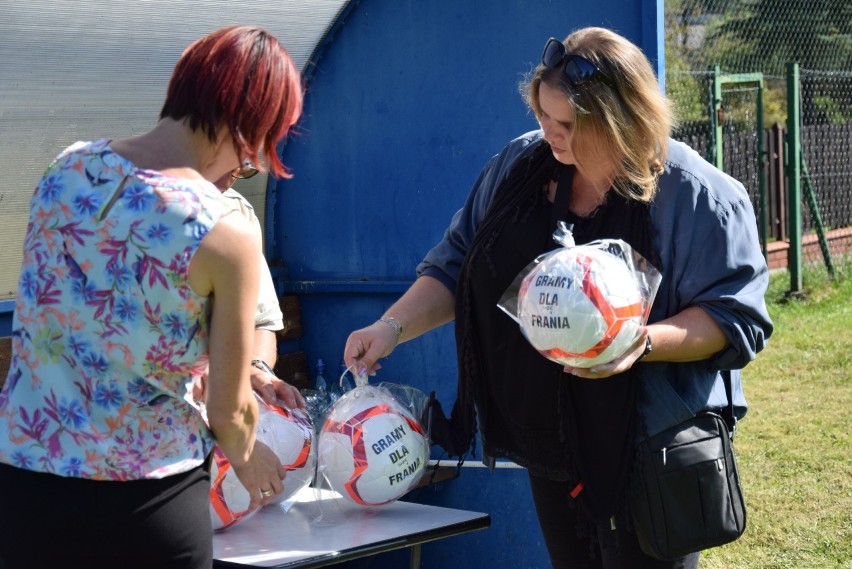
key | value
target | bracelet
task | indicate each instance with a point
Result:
(395, 326)
(648, 348)
(260, 364)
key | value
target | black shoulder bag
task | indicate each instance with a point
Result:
(687, 495)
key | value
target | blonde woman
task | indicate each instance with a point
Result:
(602, 161)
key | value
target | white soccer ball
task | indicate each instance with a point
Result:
(229, 500)
(371, 449)
(290, 434)
(581, 306)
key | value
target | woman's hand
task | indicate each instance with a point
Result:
(364, 347)
(272, 389)
(426, 305)
(688, 336)
(262, 475)
(618, 365)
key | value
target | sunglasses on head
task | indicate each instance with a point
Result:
(577, 69)
(244, 172)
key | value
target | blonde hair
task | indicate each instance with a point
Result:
(632, 120)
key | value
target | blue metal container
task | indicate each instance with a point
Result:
(406, 101)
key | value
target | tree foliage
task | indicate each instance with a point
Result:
(747, 36)
(767, 34)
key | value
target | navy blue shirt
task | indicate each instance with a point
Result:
(708, 253)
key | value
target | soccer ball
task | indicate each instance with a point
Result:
(290, 434)
(581, 306)
(229, 500)
(371, 449)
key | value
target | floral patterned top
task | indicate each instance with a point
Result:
(107, 331)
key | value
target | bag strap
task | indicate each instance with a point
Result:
(728, 412)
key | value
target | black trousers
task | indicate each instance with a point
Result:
(613, 549)
(54, 521)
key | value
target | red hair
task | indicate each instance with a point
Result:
(243, 78)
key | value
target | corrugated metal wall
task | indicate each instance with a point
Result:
(86, 69)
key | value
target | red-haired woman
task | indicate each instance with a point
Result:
(103, 462)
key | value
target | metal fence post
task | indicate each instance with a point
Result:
(761, 173)
(794, 179)
(717, 118)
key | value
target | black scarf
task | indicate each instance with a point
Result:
(457, 435)
(559, 426)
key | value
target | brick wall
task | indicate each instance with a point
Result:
(839, 244)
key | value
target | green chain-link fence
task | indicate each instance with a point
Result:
(736, 37)
(826, 111)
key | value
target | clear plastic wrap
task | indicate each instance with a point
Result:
(290, 434)
(583, 305)
(372, 448)
(319, 401)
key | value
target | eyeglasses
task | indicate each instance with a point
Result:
(577, 69)
(244, 172)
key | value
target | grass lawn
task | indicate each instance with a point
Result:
(793, 447)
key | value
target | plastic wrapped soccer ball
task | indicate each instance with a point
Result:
(371, 449)
(290, 434)
(294, 444)
(229, 500)
(581, 306)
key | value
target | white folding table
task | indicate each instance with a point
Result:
(322, 528)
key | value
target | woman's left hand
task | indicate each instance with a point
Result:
(262, 475)
(273, 389)
(618, 365)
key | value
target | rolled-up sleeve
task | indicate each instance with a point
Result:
(709, 238)
(735, 299)
(443, 262)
